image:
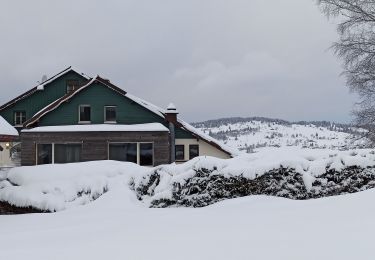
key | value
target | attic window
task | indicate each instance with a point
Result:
(19, 118)
(72, 85)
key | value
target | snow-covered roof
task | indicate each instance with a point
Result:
(149, 106)
(6, 128)
(40, 87)
(186, 126)
(151, 127)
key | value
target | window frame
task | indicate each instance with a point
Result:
(67, 143)
(105, 114)
(79, 114)
(138, 151)
(190, 145)
(183, 153)
(74, 84)
(20, 116)
(53, 150)
(37, 153)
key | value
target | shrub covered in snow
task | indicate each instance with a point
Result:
(290, 173)
(208, 186)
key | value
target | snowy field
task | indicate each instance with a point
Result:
(100, 217)
(116, 227)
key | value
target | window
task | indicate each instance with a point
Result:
(125, 152)
(140, 153)
(72, 85)
(67, 153)
(146, 154)
(193, 151)
(44, 154)
(19, 118)
(84, 114)
(110, 114)
(180, 152)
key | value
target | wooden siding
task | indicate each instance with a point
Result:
(98, 96)
(95, 144)
(42, 98)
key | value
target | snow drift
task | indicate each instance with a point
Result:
(290, 173)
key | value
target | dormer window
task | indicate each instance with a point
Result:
(84, 114)
(19, 118)
(72, 85)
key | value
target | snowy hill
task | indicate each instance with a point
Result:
(252, 133)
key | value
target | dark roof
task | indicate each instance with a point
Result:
(35, 89)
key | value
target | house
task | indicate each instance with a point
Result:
(8, 137)
(72, 117)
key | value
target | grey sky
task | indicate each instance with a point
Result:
(211, 58)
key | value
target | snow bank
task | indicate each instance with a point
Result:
(60, 186)
(280, 172)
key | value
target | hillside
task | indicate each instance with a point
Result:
(252, 133)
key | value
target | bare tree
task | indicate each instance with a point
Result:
(356, 46)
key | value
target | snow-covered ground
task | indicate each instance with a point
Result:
(116, 227)
(100, 217)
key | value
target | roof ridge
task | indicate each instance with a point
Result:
(53, 105)
(34, 89)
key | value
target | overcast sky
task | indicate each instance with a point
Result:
(211, 58)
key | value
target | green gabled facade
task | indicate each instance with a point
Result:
(72, 118)
(40, 96)
(97, 96)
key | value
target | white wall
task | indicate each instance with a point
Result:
(204, 148)
(5, 159)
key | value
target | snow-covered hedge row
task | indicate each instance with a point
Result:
(208, 186)
(296, 175)
(290, 173)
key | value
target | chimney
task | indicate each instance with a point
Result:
(171, 117)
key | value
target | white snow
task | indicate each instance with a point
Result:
(172, 109)
(118, 226)
(160, 112)
(150, 127)
(256, 134)
(232, 151)
(58, 187)
(6, 128)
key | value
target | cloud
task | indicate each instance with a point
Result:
(251, 68)
(212, 58)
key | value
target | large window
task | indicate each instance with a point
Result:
(126, 152)
(58, 153)
(140, 153)
(146, 154)
(110, 114)
(19, 118)
(180, 152)
(193, 151)
(67, 153)
(84, 114)
(44, 154)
